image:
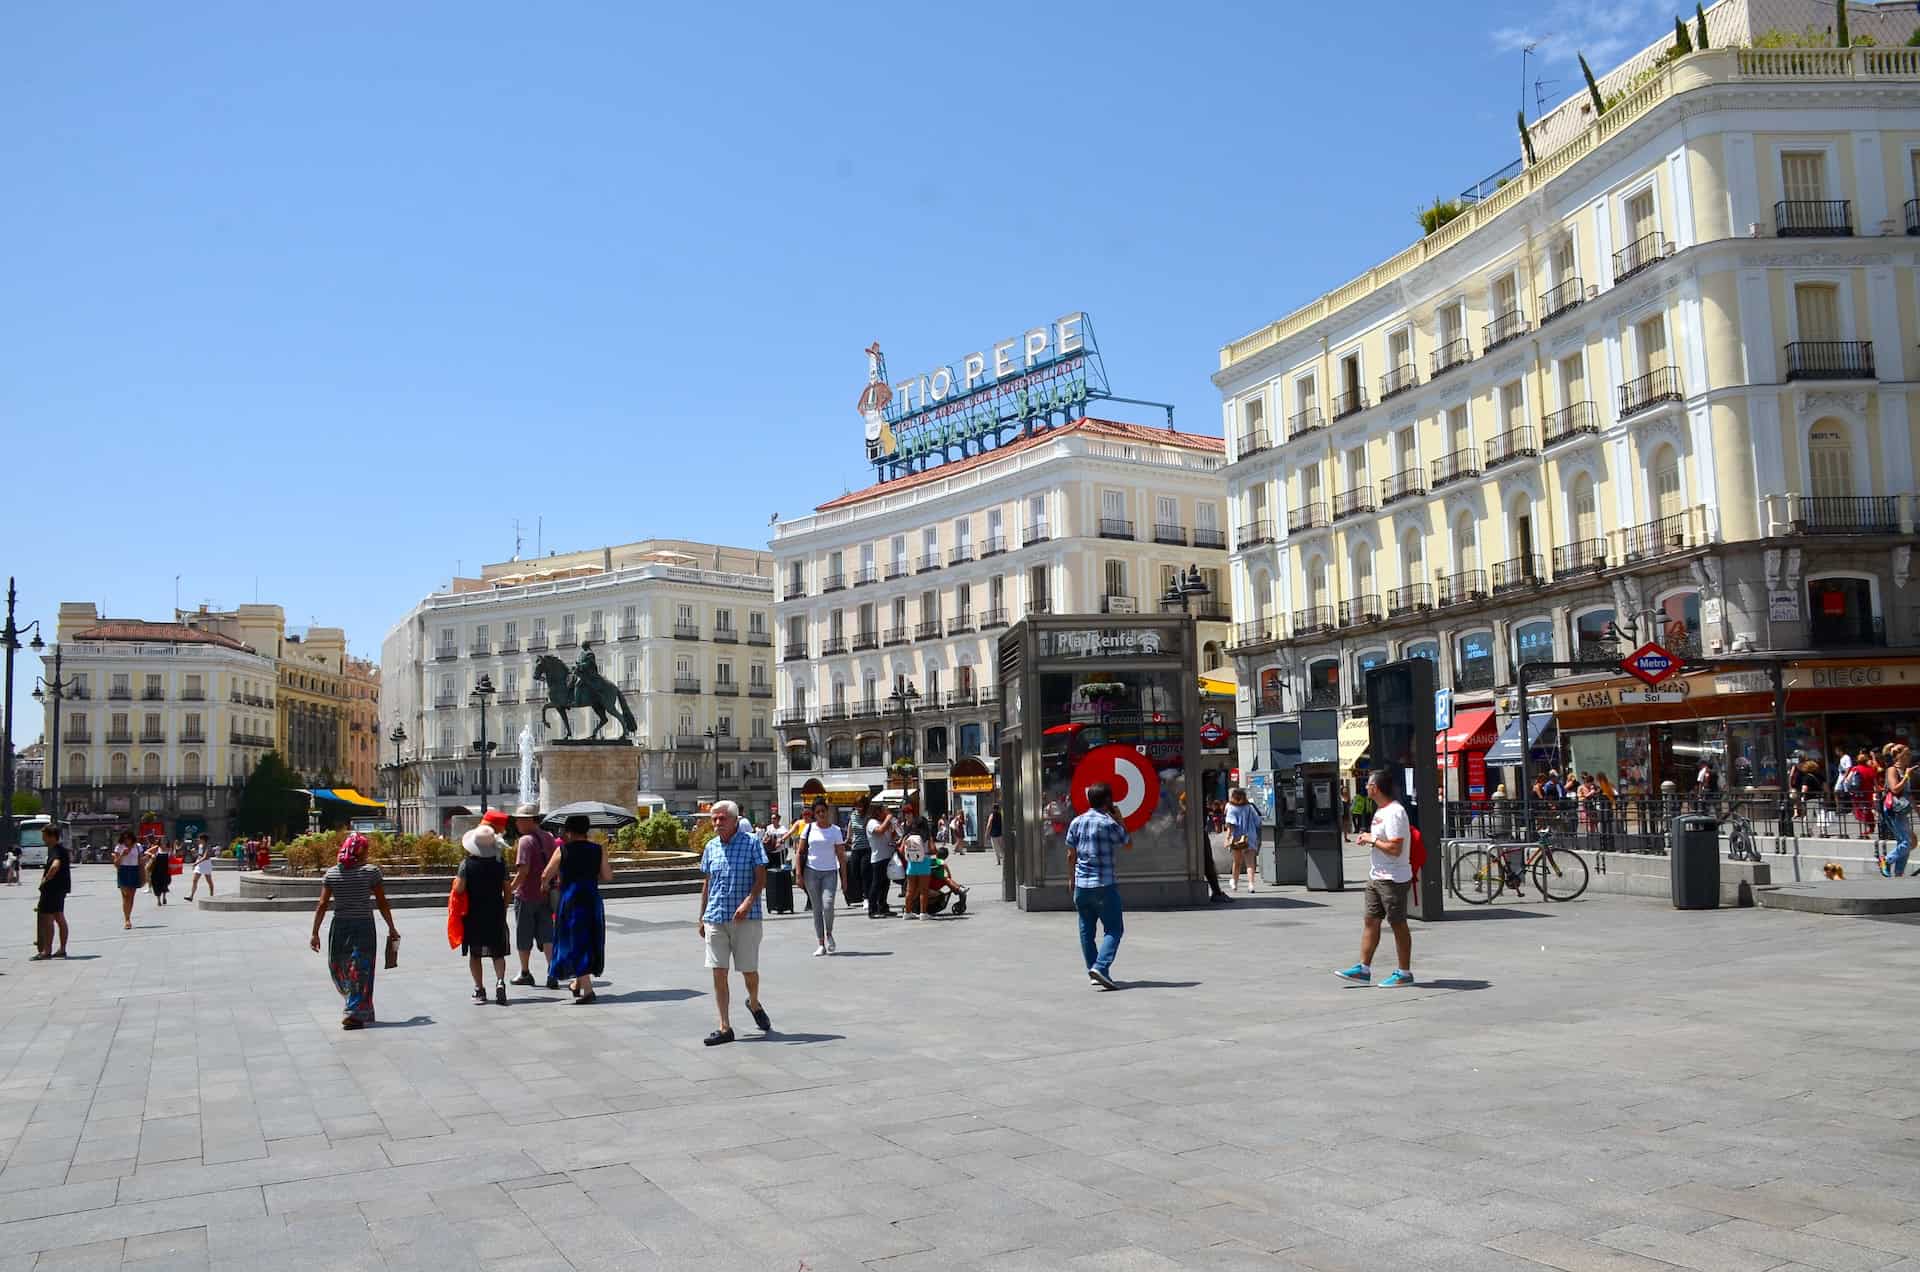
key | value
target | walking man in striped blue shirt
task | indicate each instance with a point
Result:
(1092, 839)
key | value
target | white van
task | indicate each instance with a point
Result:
(33, 844)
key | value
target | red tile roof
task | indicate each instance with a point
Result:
(1101, 428)
(141, 629)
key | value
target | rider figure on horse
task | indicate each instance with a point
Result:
(586, 670)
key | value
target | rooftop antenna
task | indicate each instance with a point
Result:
(516, 538)
(1526, 51)
(1540, 87)
(539, 535)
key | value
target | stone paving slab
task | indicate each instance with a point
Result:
(1610, 1084)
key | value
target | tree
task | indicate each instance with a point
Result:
(1699, 27)
(660, 832)
(1840, 39)
(271, 802)
(1593, 89)
(1682, 42)
(27, 804)
(1438, 215)
(1526, 138)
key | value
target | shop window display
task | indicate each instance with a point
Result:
(1102, 707)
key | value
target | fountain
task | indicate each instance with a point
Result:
(526, 762)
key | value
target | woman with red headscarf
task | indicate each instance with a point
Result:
(354, 889)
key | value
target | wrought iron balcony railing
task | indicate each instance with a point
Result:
(1254, 533)
(1454, 353)
(1830, 360)
(1514, 444)
(1115, 528)
(1508, 326)
(1644, 251)
(1846, 514)
(1566, 296)
(960, 554)
(1516, 573)
(866, 639)
(1252, 442)
(1410, 599)
(928, 629)
(686, 631)
(1404, 484)
(1175, 535)
(833, 646)
(1399, 380)
(835, 582)
(1360, 609)
(1208, 538)
(1308, 516)
(1352, 402)
(1350, 503)
(1456, 466)
(1813, 218)
(1249, 635)
(1568, 421)
(1662, 384)
(1663, 536)
(1303, 422)
(992, 545)
(1312, 620)
(1463, 588)
(866, 574)
(1585, 556)
(995, 617)
(928, 561)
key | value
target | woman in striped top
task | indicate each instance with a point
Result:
(354, 889)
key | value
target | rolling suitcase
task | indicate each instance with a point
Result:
(780, 891)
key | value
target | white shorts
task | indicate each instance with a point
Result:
(203, 868)
(738, 941)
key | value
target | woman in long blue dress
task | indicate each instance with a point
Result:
(580, 925)
(354, 889)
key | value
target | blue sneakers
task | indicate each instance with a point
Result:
(1396, 979)
(1357, 974)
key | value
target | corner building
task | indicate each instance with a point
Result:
(909, 583)
(1665, 377)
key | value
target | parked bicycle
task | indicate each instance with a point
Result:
(1740, 841)
(1479, 875)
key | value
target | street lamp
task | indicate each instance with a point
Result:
(904, 695)
(54, 690)
(1182, 586)
(398, 736)
(484, 748)
(10, 639)
(713, 745)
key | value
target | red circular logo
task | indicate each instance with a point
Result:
(1129, 774)
(1212, 734)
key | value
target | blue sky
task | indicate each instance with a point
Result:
(319, 300)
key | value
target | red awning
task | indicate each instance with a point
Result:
(1063, 728)
(1472, 731)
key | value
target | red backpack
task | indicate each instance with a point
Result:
(1416, 852)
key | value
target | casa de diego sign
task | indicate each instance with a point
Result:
(1036, 380)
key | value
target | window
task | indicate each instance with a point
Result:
(193, 728)
(724, 725)
(1573, 380)
(1640, 216)
(1305, 394)
(757, 675)
(1362, 570)
(1413, 566)
(1453, 323)
(194, 689)
(190, 766)
(1650, 344)
(1356, 467)
(1506, 295)
(996, 593)
(1206, 516)
(1039, 594)
(150, 767)
(683, 666)
(686, 722)
(1406, 450)
(1323, 683)
(963, 601)
(1464, 557)
(1310, 485)
(1803, 175)
(1533, 641)
(930, 541)
(866, 620)
(1666, 482)
(1316, 582)
(723, 620)
(150, 725)
(1679, 618)
(1037, 514)
(1350, 381)
(759, 726)
(836, 625)
(683, 616)
(1473, 660)
(1114, 573)
(723, 672)
(1840, 612)
(540, 631)
(117, 769)
(1459, 429)
(1400, 349)
(1253, 413)
(1113, 506)
(797, 631)
(1166, 510)
(1590, 635)
(1513, 406)
(1582, 510)
(77, 766)
(1564, 260)
(963, 536)
(866, 560)
(1816, 311)
(899, 612)
(757, 622)
(1829, 460)
(996, 527)
(836, 567)
(566, 627)
(796, 578)
(899, 558)
(153, 687)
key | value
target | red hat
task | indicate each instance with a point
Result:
(496, 818)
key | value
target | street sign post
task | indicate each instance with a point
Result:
(1650, 664)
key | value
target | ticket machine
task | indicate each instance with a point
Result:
(1320, 806)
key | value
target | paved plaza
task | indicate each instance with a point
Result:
(1609, 1084)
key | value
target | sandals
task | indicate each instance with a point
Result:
(760, 1017)
(351, 1023)
(718, 1037)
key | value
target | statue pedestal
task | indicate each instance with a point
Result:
(608, 773)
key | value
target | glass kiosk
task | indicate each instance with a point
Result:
(1106, 697)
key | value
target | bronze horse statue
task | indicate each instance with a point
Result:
(565, 692)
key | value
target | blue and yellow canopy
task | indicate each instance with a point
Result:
(345, 795)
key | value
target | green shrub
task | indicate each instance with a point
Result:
(660, 832)
(1439, 214)
(1913, 41)
(702, 835)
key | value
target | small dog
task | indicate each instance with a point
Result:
(1835, 870)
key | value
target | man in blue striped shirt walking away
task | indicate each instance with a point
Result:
(1092, 839)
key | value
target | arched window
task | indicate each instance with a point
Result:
(1664, 473)
(1533, 641)
(1323, 683)
(1679, 619)
(1413, 566)
(1365, 661)
(872, 753)
(1590, 635)
(800, 755)
(1262, 595)
(937, 744)
(1272, 697)
(1473, 660)
(76, 767)
(1316, 582)
(1829, 460)
(900, 744)
(1842, 612)
(1426, 648)
(1464, 557)
(190, 766)
(117, 767)
(1363, 570)
(150, 767)
(1211, 655)
(839, 753)
(1583, 511)
(970, 739)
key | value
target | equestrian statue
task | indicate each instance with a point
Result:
(582, 686)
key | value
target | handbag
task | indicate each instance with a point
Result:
(896, 869)
(393, 950)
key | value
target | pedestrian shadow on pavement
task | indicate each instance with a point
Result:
(650, 996)
(1258, 902)
(1137, 984)
(1453, 984)
(863, 954)
(1486, 912)
(408, 1023)
(794, 1039)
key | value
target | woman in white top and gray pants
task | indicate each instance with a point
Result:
(825, 849)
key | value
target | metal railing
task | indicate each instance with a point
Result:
(927, 629)
(1830, 360)
(1349, 503)
(1477, 674)
(1662, 384)
(960, 555)
(1643, 824)
(1508, 326)
(1399, 380)
(1271, 701)
(567, 640)
(1646, 250)
(1913, 216)
(1038, 532)
(1360, 609)
(1846, 514)
(1462, 588)
(834, 583)
(1309, 516)
(1517, 572)
(1311, 619)
(1258, 632)
(1404, 484)
(928, 561)
(759, 638)
(1456, 352)
(867, 639)
(1657, 538)
(1118, 603)
(992, 545)
(1252, 442)
(1813, 218)
(1568, 295)
(686, 631)
(1115, 528)
(479, 649)
(1456, 466)
(536, 644)
(959, 624)
(1175, 535)
(1409, 599)
(833, 646)
(897, 568)
(795, 653)
(726, 635)
(1256, 532)
(1515, 443)
(1302, 422)
(1584, 556)
(759, 689)
(995, 617)
(1568, 421)
(686, 684)
(899, 635)
(866, 574)
(1205, 538)
(789, 716)
(446, 653)
(1352, 402)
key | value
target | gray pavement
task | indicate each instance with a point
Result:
(1609, 1084)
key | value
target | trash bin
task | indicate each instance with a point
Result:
(1693, 853)
(1325, 871)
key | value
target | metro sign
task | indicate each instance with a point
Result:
(1650, 664)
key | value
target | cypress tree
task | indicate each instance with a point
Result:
(1526, 138)
(1699, 27)
(1593, 89)
(1841, 39)
(1682, 43)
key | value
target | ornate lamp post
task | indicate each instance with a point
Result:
(903, 697)
(54, 691)
(398, 736)
(483, 748)
(1183, 586)
(10, 640)
(713, 745)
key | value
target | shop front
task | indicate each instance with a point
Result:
(1462, 752)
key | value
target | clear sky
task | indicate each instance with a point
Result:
(311, 302)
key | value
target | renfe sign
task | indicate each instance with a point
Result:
(1043, 376)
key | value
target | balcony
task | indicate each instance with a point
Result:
(1411, 599)
(796, 591)
(864, 640)
(726, 635)
(1175, 535)
(727, 688)
(445, 704)
(960, 698)
(1567, 296)
(1830, 360)
(960, 555)
(1477, 674)
(795, 653)
(1463, 588)
(899, 635)
(1300, 423)
(480, 649)
(1813, 218)
(1456, 466)
(1255, 533)
(992, 545)
(759, 638)
(1519, 572)
(833, 646)
(1322, 697)
(1405, 484)
(866, 574)
(1663, 536)
(1567, 422)
(1514, 444)
(186, 695)
(510, 695)
(992, 618)
(682, 631)
(1584, 556)
(790, 717)
(835, 582)
(686, 684)
(1351, 503)
(153, 695)
(567, 640)
(1456, 352)
(927, 629)
(597, 634)
(1118, 603)
(446, 653)
(898, 568)
(537, 643)
(1352, 402)
(1312, 620)
(1913, 216)
(686, 782)
(1360, 609)
(153, 737)
(1271, 702)
(1662, 384)
(1252, 443)
(989, 696)
(834, 711)
(928, 561)
(1208, 610)
(866, 709)
(1399, 380)
(1115, 528)
(1254, 634)
(1846, 514)
(1038, 532)
(1508, 326)
(120, 693)
(1209, 538)
(120, 738)
(960, 624)
(83, 737)
(1647, 250)
(1311, 516)
(760, 744)
(759, 689)
(627, 631)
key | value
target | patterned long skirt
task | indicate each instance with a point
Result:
(580, 932)
(352, 954)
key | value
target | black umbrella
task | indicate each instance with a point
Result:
(601, 816)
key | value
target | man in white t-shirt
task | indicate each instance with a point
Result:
(883, 832)
(1389, 845)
